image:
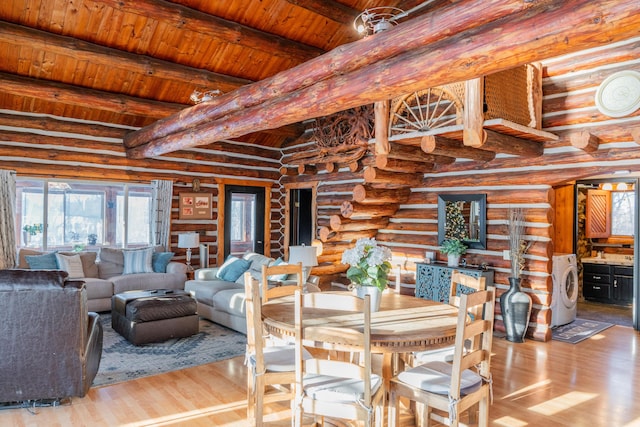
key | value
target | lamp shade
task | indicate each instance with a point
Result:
(307, 255)
(188, 240)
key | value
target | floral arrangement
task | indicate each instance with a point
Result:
(369, 263)
(517, 245)
(453, 247)
(33, 229)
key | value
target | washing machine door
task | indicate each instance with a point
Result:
(569, 287)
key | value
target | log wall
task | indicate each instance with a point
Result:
(47, 147)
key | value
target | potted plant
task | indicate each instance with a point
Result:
(92, 239)
(515, 305)
(369, 266)
(453, 248)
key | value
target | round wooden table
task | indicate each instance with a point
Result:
(403, 324)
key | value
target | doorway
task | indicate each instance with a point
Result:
(300, 214)
(606, 224)
(244, 213)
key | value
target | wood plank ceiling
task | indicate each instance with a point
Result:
(132, 62)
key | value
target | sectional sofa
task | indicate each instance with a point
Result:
(111, 270)
(219, 291)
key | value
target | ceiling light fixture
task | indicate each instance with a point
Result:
(622, 186)
(608, 186)
(198, 96)
(377, 19)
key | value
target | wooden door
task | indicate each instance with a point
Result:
(598, 214)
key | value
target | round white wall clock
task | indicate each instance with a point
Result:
(619, 94)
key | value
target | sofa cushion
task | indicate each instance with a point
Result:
(42, 262)
(72, 264)
(22, 254)
(230, 301)
(88, 259)
(111, 263)
(257, 260)
(138, 261)
(204, 290)
(138, 281)
(98, 288)
(233, 268)
(159, 261)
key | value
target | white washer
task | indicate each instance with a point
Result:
(564, 300)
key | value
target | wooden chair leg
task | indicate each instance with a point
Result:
(250, 397)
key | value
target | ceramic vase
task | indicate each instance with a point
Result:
(375, 295)
(453, 260)
(515, 306)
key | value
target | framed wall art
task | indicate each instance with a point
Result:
(195, 205)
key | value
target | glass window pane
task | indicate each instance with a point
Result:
(622, 208)
(29, 210)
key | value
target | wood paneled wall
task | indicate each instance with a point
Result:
(48, 147)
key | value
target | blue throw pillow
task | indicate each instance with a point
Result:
(159, 261)
(233, 268)
(42, 262)
(278, 277)
(137, 261)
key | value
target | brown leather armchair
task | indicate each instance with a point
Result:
(50, 345)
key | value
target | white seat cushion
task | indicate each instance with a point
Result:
(279, 358)
(435, 377)
(442, 354)
(337, 389)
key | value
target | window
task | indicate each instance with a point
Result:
(622, 208)
(82, 214)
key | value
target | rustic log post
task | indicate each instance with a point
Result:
(381, 111)
(288, 171)
(585, 141)
(369, 195)
(307, 169)
(337, 223)
(473, 121)
(415, 154)
(397, 165)
(355, 210)
(325, 234)
(635, 134)
(378, 176)
(331, 248)
(442, 146)
(502, 143)
(330, 167)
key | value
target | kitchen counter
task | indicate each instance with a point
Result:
(610, 259)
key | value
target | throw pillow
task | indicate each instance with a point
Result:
(159, 261)
(138, 261)
(111, 263)
(42, 262)
(233, 268)
(72, 264)
(88, 259)
(278, 277)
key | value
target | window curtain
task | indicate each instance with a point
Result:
(161, 226)
(8, 250)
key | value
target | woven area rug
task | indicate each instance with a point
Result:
(123, 361)
(579, 330)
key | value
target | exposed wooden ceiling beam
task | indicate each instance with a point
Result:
(560, 27)
(502, 143)
(342, 60)
(95, 54)
(88, 98)
(231, 32)
(337, 12)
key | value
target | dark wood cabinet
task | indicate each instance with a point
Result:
(433, 281)
(608, 283)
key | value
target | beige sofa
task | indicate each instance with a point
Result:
(105, 273)
(223, 301)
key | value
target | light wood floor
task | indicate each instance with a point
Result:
(593, 383)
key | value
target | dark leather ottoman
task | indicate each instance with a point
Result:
(152, 316)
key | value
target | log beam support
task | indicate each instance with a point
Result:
(441, 146)
(585, 141)
(502, 143)
(355, 210)
(381, 111)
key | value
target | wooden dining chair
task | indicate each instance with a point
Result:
(340, 389)
(271, 369)
(279, 278)
(453, 388)
(460, 284)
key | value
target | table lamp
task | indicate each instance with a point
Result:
(188, 241)
(307, 255)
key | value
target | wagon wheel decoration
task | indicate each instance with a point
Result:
(425, 110)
